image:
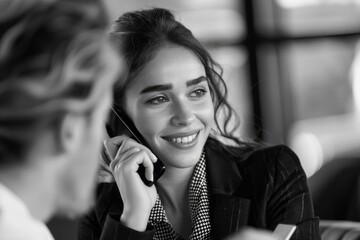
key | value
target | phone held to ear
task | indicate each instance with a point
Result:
(159, 167)
(284, 231)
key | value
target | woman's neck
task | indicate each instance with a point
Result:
(174, 184)
(173, 189)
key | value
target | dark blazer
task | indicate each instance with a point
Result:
(267, 187)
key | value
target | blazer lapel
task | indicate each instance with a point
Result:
(228, 212)
(223, 174)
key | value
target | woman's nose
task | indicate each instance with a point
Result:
(182, 115)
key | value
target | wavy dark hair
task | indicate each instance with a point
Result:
(138, 35)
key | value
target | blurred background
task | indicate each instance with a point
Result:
(293, 72)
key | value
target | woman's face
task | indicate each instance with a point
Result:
(170, 104)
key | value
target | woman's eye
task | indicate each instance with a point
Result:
(198, 93)
(157, 100)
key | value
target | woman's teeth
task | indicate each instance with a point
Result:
(187, 139)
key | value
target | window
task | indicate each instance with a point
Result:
(306, 55)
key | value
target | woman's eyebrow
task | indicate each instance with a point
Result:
(165, 87)
(196, 81)
(156, 88)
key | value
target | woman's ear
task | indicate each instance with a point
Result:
(72, 129)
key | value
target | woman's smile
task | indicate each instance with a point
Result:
(183, 139)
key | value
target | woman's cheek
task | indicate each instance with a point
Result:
(149, 126)
(205, 113)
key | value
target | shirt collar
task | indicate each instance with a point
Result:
(198, 203)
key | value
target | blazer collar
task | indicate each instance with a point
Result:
(224, 175)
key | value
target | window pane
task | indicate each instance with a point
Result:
(318, 73)
(326, 119)
(309, 17)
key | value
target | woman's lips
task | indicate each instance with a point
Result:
(185, 140)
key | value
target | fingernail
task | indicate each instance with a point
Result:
(154, 157)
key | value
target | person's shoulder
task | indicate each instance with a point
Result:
(276, 159)
(273, 153)
(258, 151)
(233, 152)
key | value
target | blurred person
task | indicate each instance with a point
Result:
(56, 77)
(175, 96)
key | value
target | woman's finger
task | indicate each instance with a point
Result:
(112, 145)
(141, 158)
(123, 156)
(149, 168)
(128, 143)
(130, 159)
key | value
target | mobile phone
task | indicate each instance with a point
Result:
(284, 231)
(126, 122)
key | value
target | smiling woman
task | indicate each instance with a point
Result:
(175, 94)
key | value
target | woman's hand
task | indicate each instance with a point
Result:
(126, 155)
